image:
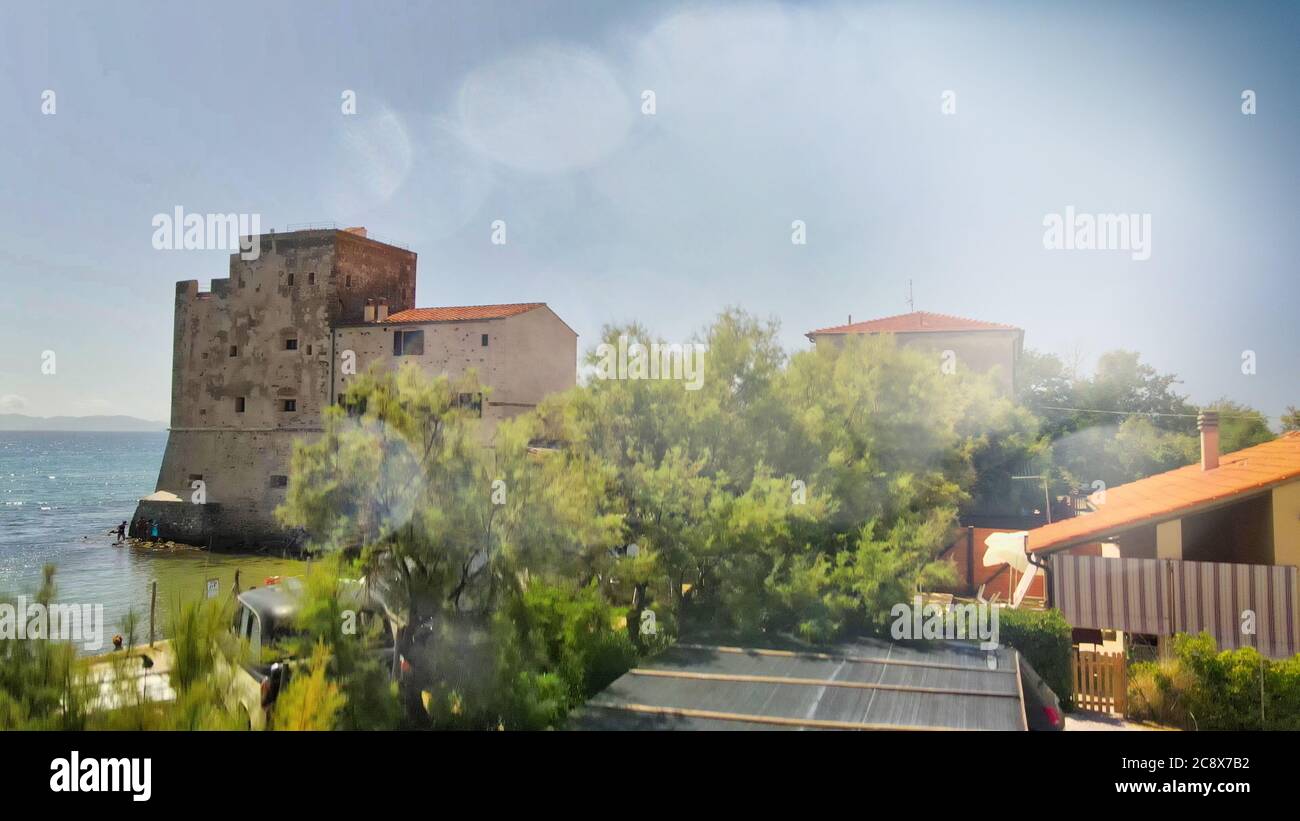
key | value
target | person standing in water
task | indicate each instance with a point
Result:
(121, 533)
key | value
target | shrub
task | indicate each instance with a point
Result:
(1160, 691)
(1043, 637)
(1204, 688)
(558, 647)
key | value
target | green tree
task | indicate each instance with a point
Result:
(804, 494)
(1291, 419)
(445, 528)
(1240, 426)
(311, 700)
(329, 616)
(1123, 422)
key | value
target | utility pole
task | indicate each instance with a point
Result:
(911, 303)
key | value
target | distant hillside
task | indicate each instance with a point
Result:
(19, 422)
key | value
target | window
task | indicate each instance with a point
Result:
(234, 350)
(291, 344)
(239, 404)
(289, 405)
(311, 277)
(354, 407)
(309, 350)
(472, 402)
(196, 477)
(290, 280)
(279, 481)
(484, 341)
(408, 343)
(253, 632)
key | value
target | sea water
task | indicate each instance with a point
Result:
(60, 496)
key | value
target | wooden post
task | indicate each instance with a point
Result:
(236, 581)
(153, 602)
(1121, 684)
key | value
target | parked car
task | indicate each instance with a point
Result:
(265, 621)
(1042, 707)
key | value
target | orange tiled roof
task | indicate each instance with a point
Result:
(1177, 492)
(915, 322)
(461, 312)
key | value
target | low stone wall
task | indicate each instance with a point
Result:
(177, 521)
(210, 525)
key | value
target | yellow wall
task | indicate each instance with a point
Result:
(1169, 539)
(1286, 524)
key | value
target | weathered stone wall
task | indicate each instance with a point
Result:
(230, 344)
(528, 356)
(177, 521)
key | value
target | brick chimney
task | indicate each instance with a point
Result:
(1208, 424)
(381, 310)
(368, 312)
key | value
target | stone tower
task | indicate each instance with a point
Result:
(253, 369)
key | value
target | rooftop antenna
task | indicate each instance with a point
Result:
(911, 304)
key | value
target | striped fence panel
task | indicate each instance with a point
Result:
(1113, 594)
(1166, 596)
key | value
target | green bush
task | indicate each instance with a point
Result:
(1160, 691)
(560, 647)
(1043, 637)
(1204, 688)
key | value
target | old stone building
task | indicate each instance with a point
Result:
(258, 358)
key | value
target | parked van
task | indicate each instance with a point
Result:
(265, 617)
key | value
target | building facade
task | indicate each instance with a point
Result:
(1213, 547)
(257, 359)
(983, 347)
(519, 353)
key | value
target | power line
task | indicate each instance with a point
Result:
(1255, 415)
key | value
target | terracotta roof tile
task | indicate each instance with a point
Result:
(915, 322)
(452, 313)
(1177, 492)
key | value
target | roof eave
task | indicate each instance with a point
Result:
(1119, 529)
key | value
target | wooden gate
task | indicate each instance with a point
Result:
(1100, 681)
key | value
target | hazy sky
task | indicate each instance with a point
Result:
(531, 113)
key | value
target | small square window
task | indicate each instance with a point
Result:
(239, 404)
(234, 350)
(289, 405)
(472, 402)
(291, 344)
(290, 280)
(483, 343)
(408, 343)
(196, 477)
(279, 481)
